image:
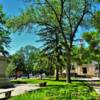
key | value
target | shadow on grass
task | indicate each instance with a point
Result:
(20, 82)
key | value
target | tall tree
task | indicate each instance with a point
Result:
(64, 15)
(51, 39)
(29, 53)
(4, 33)
(18, 61)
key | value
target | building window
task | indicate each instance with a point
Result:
(84, 70)
(73, 67)
(96, 67)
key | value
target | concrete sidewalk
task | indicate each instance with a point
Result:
(97, 89)
(21, 89)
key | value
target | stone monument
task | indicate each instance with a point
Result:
(4, 81)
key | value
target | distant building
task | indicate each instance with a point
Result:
(85, 70)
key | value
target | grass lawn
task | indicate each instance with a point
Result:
(57, 90)
(36, 81)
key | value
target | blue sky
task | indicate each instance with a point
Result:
(13, 8)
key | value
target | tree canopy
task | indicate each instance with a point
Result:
(62, 17)
(4, 33)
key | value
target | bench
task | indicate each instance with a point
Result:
(43, 84)
(7, 92)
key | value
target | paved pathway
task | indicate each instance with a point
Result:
(97, 89)
(21, 89)
(93, 82)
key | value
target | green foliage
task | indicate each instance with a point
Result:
(29, 53)
(93, 40)
(2, 16)
(4, 41)
(16, 62)
(10, 69)
(4, 33)
(28, 59)
(81, 55)
(61, 17)
(97, 0)
(49, 13)
(96, 20)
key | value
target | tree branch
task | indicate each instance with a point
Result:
(72, 35)
(59, 21)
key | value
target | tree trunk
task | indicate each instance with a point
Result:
(16, 76)
(57, 56)
(99, 68)
(61, 72)
(28, 76)
(68, 75)
(57, 73)
(49, 66)
(41, 76)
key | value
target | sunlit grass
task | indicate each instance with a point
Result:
(58, 90)
(36, 81)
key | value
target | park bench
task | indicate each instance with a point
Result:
(42, 84)
(7, 92)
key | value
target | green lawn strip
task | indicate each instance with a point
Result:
(36, 81)
(58, 90)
